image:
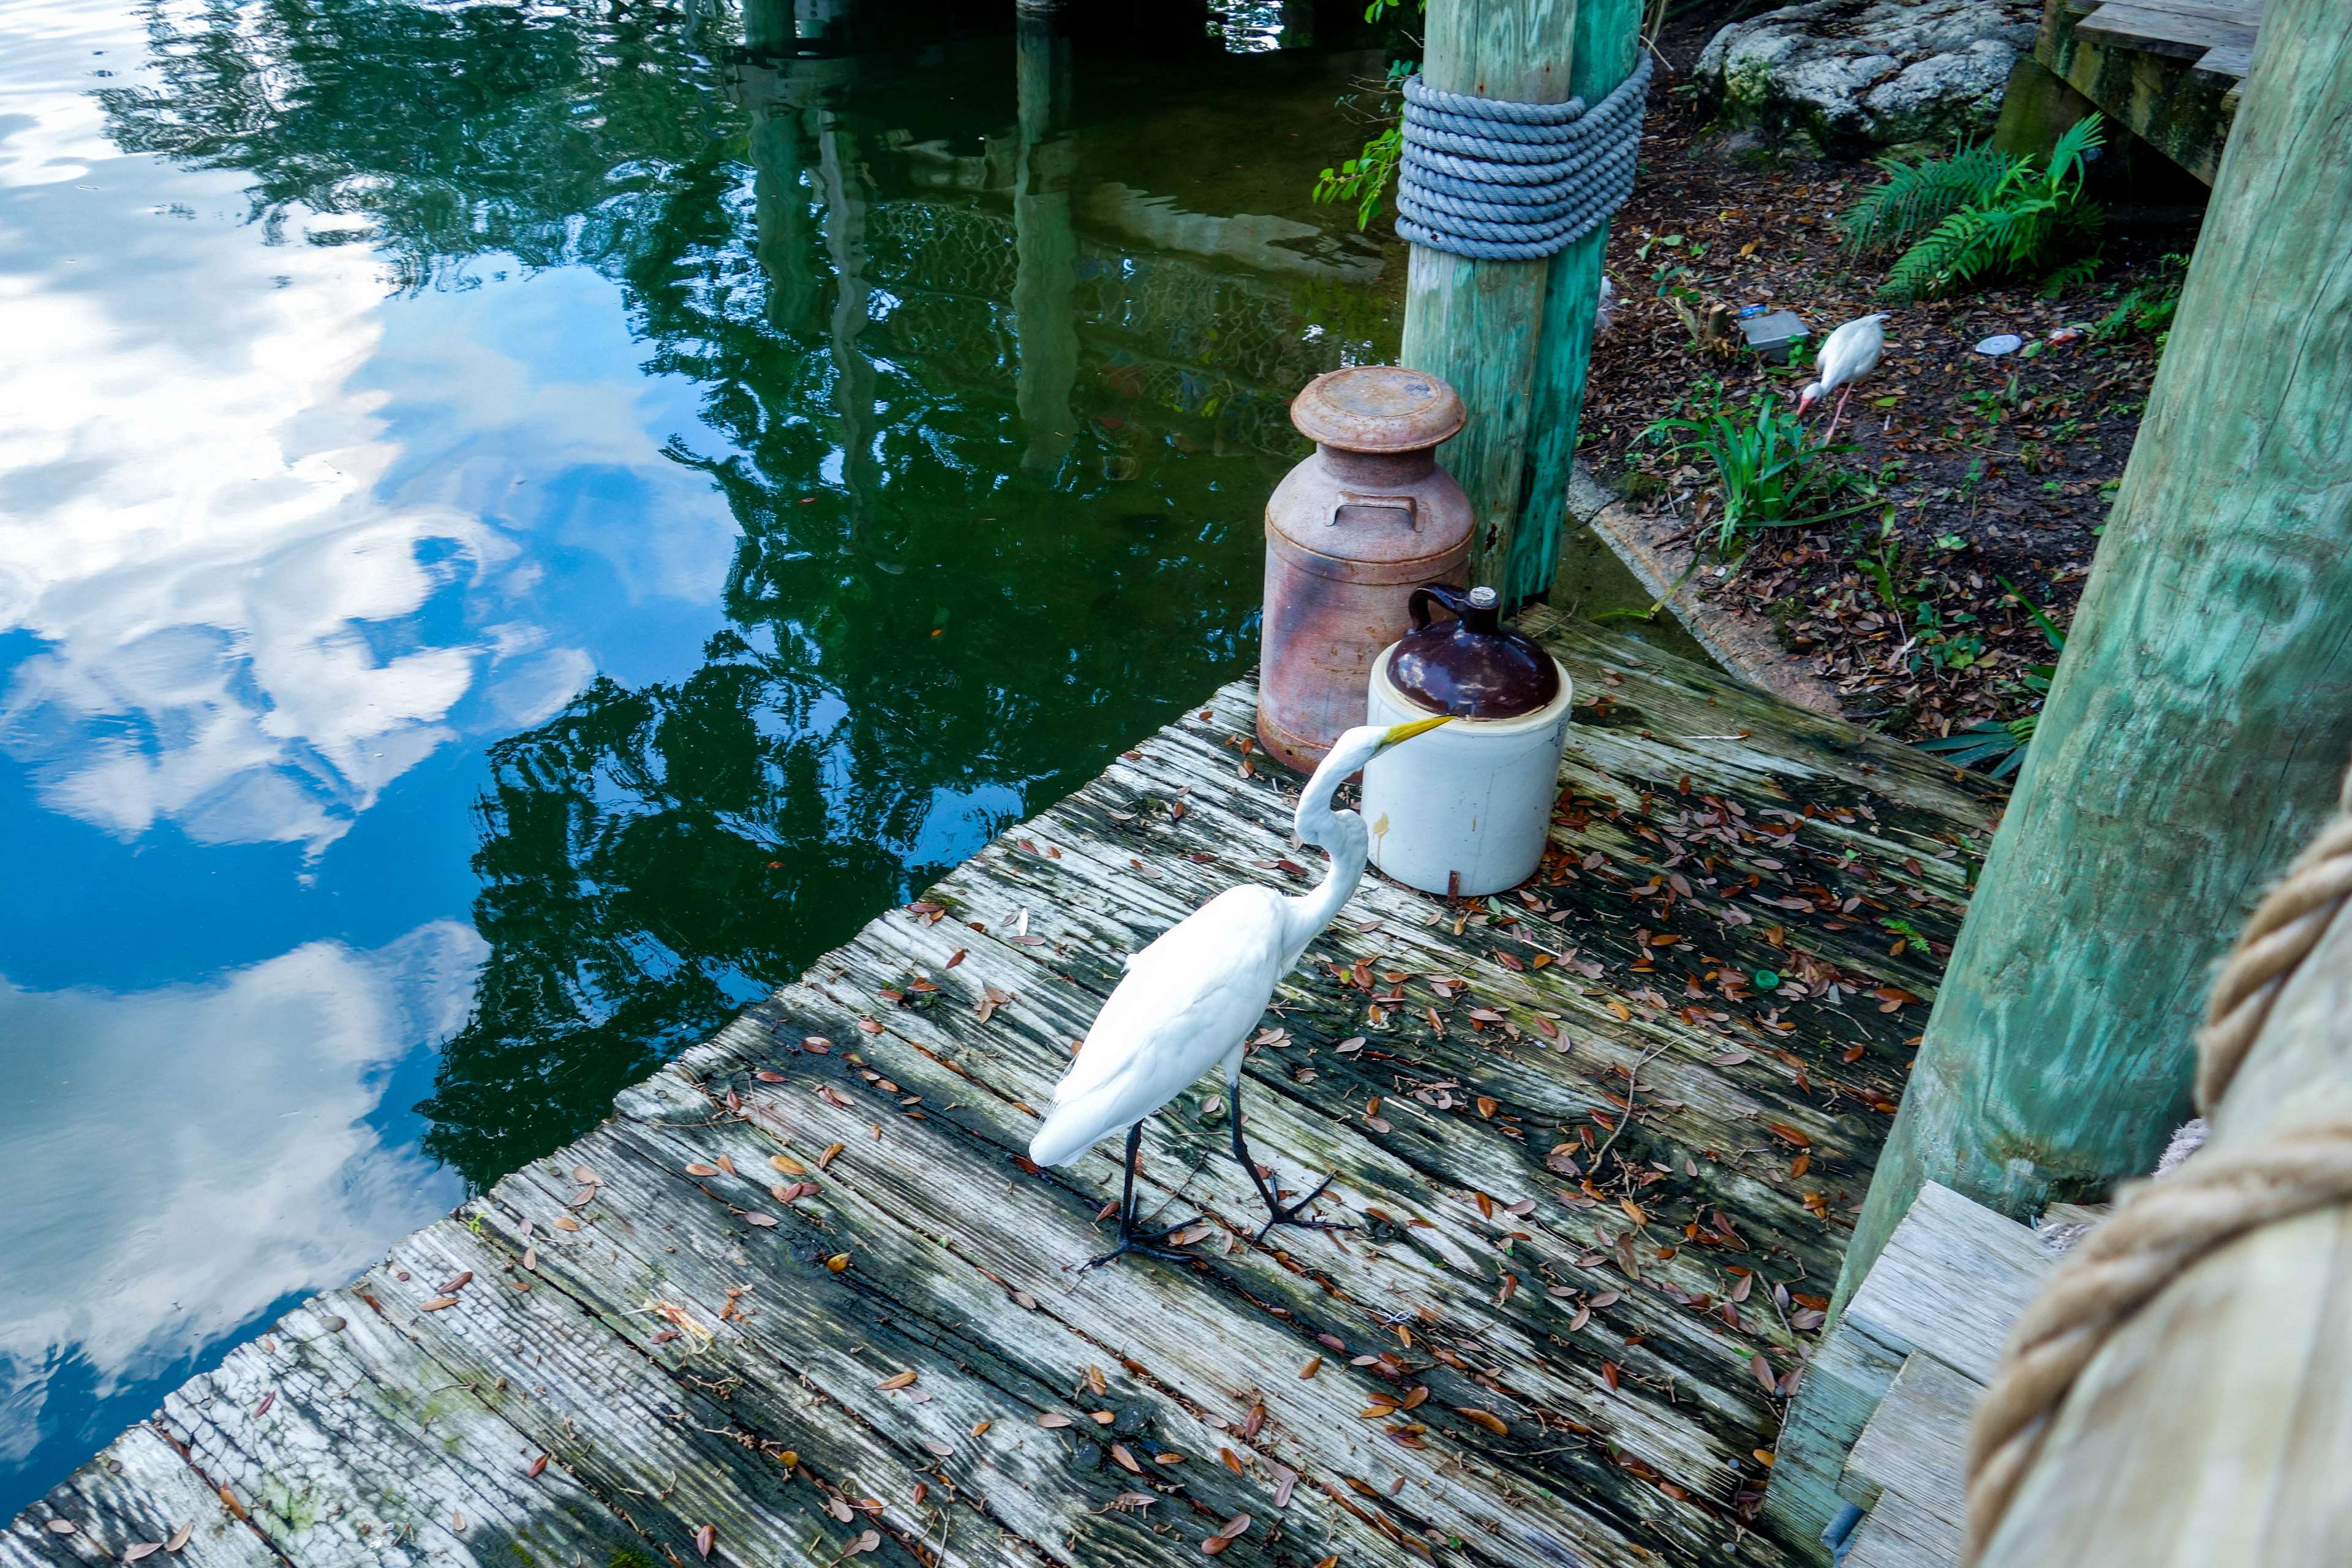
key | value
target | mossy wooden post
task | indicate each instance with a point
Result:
(1608, 40)
(2203, 713)
(1478, 324)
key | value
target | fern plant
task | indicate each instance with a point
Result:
(2148, 311)
(2033, 217)
(1979, 213)
(1918, 195)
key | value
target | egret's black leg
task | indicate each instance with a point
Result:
(1129, 1239)
(1277, 1213)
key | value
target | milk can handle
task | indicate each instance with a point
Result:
(1453, 599)
(1349, 501)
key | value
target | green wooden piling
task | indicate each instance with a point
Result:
(2203, 713)
(1515, 337)
(1478, 324)
(1608, 41)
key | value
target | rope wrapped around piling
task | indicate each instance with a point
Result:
(1498, 180)
(2162, 1227)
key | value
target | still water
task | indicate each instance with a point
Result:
(523, 523)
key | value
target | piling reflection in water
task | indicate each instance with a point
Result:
(997, 479)
(1045, 283)
(981, 337)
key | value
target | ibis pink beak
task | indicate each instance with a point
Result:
(1805, 400)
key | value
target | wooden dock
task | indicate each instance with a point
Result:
(2167, 70)
(2217, 36)
(801, 1299)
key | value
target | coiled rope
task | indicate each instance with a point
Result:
(1498, 181)
(2163, 1226)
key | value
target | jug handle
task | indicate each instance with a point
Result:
(1350, 500)
(1453, 599)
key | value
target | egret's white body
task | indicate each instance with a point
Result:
(1188, 1001)
(1190, 998)
(1847, 355)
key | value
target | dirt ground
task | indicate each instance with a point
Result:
(1985, 469)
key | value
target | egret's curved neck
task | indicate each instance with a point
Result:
(1339, 835)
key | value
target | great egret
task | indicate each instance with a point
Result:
(1190, 998)
(1847, 355)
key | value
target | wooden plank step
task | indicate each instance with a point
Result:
(2247, 14)
(1916, 1444)
(1961, 1279)
(2234, 62)
(1843, 1382)
(1895, 1534)
(1953, 1277)
(2178, 30)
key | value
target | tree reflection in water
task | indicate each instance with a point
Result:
(997, 462)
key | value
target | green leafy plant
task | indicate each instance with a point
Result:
(2002, 741)
(1877, 562)
(1916, 196)
(1949, 641)
(1907, 935)
(1979, 213)
(1769, 477)
(2147, 311)
(1365, 178)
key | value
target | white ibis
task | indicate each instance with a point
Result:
(1190, 998)
(1847, 355)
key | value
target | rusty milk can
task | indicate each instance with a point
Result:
(1349, 533)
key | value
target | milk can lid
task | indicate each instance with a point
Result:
(1377, 409)
(1473, 667)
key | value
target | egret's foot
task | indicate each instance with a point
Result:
(1142, 1241)
(1135, 1243)
(1288, 1214)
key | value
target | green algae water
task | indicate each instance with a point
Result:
(521, 525)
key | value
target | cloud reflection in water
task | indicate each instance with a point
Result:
(184, 1157)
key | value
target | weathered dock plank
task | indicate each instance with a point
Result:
(1916, 1442)
(1931, 1319)
(802, 1298)
(132, 1501)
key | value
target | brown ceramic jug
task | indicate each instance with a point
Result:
(1473, 667)
(1348, 534)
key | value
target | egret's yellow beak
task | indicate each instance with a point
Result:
(1399, 734)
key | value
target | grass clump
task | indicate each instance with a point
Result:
(2147, 311)
(1764, 472)
(1997, 746)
